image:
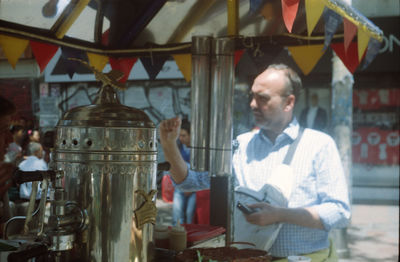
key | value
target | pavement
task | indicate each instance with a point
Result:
(372, 236)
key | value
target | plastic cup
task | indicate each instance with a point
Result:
(299, 258)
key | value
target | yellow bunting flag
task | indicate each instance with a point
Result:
(13, 48)
(97, 61)
(314, 9)
(306, 56)
(184, 62)
(363, 39)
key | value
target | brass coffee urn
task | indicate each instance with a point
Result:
(108, 155)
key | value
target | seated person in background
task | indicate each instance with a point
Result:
(184, 203)
(33, 162)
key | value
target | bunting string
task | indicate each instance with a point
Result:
(306, 50)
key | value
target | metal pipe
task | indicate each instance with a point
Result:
(222, 67)
(200, 102)
(233, 17)
(66, 220)
(221, 114)
(31, 206)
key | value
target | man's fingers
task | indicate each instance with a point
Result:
(257, 205)
(170, 124)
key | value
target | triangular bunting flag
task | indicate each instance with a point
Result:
(184, 63)
(373, 49)
(43, 53)
(349, 58)
(97, 61)
(71, 66)
(350, 31)
(238, 55)
(306, 57)
(289, 12)
(124, 65)
(13, 48)
(153, 65)
(314, 9)
(104, 37)
(362, 39)
(332, 21)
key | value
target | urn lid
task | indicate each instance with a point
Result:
(106, 111)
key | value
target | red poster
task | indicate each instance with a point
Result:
(375, 146)
(371, 99)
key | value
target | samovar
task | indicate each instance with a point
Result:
(107, 152)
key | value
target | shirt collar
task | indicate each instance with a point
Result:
(33, 157)
(291, 131)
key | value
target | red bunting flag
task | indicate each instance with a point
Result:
(289, 12)
(43, 53)
(238, 55)
(104, 37)
(124, 65)
(349, 58)
(350, 31)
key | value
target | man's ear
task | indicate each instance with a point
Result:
(290, 101)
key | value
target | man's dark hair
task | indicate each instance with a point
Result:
(16, 128)
(186, 125)
(6, 107)
(294, 85)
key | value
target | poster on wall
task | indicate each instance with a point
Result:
(48, 116)
(375, 146)
(371, 99)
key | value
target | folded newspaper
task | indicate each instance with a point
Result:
(276, 192)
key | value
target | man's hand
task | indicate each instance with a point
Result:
(6, 170)
(169, 131)
(266, 214)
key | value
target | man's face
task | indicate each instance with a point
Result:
(314, 100)
(184, 137)
(5, 135)
(271, 108)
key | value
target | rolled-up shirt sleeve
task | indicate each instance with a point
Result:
(194, 181)
(334, 208)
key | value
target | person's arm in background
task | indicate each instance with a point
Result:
(169, 133)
